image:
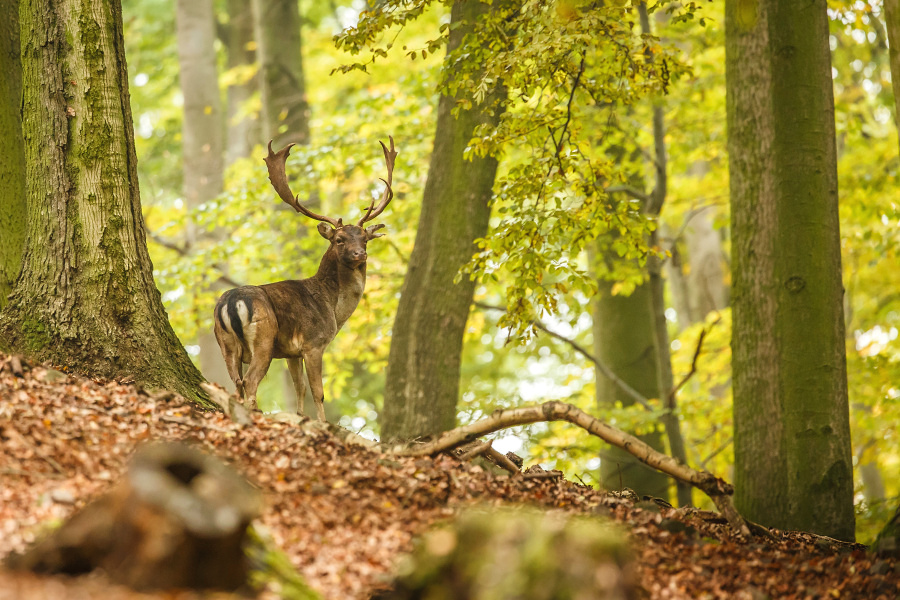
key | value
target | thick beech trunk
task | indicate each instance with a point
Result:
(12, 152)
(285, 110)
(791, 416)
(422, 386)
(203, 142)
(86, 298)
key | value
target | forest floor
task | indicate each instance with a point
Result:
(344, 514)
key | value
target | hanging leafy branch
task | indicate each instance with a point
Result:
(569, 66)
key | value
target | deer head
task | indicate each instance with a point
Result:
(348, 241)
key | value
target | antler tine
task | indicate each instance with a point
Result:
(389, 156)
(275, 162)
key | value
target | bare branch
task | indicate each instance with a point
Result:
(670, 401)
(600, 365)
(718, 490)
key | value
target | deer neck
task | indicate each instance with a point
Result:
(343, 285)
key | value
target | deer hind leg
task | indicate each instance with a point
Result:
(313, 360)
(259, 336)
(259, 366)
(295, 367)
(231, 352)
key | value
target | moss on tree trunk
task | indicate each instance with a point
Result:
(422, 385)
(791, 415)
(86, 299)
(12, 155)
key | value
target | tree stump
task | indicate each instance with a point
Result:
(518, 554)
(178, 520)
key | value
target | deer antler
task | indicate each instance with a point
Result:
(275, 162)
(372, 211)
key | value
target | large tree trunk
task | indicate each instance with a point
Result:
(422, 386)
(242, 131)
(285, 111)
(202, 136)
(86, 298)
(624, 341)
(12, 153)
(791, 416)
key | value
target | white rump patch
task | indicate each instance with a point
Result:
(225, 320)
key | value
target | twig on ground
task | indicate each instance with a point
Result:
(478, 450)
(501, 460)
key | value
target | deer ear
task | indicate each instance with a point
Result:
(370, 231)
(326, 231)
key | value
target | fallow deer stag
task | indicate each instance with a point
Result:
(297, 319)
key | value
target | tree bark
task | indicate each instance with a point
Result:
(791, 415)
(86, 298)
(892, 24)
(422, 386)
(12, 152)
(202, 137)
(624, 341)
(242, 131)
(285, 110)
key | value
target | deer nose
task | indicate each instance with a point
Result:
(359, 254)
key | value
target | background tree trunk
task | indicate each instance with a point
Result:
(86, 299)
(202, 136)
(285, 111)
(624, 341)
(892, 24)
(422, 386)
(791, 416)
(12, 153)
(242, 131)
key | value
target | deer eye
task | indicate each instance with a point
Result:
(340, 242)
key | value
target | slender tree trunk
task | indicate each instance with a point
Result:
(892, 24)
(624, 341)
(791, 415)
(86, 298)
(285, 111)
(422, 386)
(202, 136)
(242, 131)
(12, 152)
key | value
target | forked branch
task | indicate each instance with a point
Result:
(718, 490)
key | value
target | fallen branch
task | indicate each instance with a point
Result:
(718, 490)
(478, 450)
(503, 461)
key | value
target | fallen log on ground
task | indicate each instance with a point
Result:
(719, 491)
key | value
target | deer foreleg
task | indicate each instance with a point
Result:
(295, 367)
(313, 360)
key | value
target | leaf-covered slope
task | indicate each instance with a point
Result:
(344, 514)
